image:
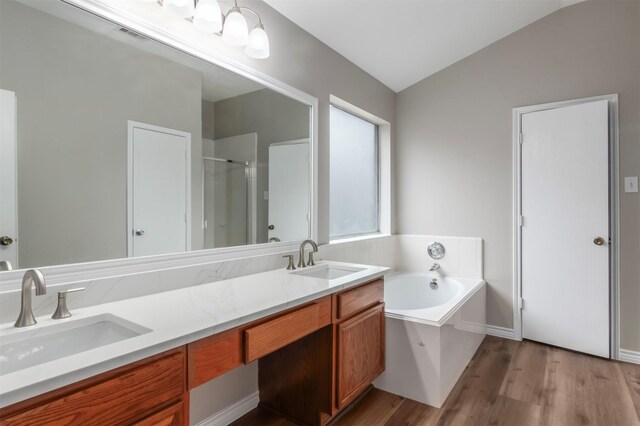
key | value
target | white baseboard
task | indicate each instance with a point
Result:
(629, 356)
(505, 333)
(232, 412)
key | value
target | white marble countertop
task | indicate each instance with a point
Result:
(175, 318)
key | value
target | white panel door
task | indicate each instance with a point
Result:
(159, 190)
(8, 179)
(289, 191)
(565, 207)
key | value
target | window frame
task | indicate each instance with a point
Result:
(378, 166)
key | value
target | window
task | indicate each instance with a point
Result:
(355, 193)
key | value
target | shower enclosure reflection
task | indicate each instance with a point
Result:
(227, 221)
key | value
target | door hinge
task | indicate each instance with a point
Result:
(521, 138)
(521, 303)
(520, 220)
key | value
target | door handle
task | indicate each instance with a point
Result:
(6, 240)
(139, 232)
(598, 241)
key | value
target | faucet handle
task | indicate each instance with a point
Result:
(290, 266)
(61, 310)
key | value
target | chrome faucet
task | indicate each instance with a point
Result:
(434, 267)
(32, 276)
(310, 262)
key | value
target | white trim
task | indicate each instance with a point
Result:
(614, 218)
(233, 412)
(131, 125)
(365, 237)
(9, 173)
(91, 270)
(291, 142)
(627, 355)
(504, 332)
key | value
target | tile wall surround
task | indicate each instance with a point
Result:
(378, 251)
(403, 252)
(463, 256)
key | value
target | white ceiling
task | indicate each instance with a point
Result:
(400, 42)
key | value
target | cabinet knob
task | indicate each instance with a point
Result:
(598, 241)
(6, 240)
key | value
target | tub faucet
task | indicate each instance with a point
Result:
(310, 262)
(434, 267)
(32, 276)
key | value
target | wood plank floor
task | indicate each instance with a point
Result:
(513, 384)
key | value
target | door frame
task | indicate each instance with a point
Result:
(138, 125)
(614, 219)
(9, 169)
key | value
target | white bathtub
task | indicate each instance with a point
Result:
(431, 333)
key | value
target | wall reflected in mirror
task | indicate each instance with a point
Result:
(114, 145)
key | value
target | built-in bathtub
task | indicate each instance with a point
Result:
(432, 332)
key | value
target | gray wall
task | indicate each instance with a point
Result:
(454, 137)
(73, 107)
(275, 118)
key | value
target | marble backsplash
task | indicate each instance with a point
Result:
(403, 252)
(111, 289)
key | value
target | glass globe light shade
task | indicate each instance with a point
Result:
(208, 17)
(258, 45)
(180, 8)
(235, 30)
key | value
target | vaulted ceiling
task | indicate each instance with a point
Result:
(401, 42)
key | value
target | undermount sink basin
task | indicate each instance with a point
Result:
(39, 344)
(328, 272)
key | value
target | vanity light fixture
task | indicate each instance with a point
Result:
(207, 16)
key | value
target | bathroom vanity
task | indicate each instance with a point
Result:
(319, 344)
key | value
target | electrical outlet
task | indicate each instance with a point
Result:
(631, 184)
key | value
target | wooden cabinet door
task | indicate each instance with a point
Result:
(360, 353)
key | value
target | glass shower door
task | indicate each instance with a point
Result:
(225, 203)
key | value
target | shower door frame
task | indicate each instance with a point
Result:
(250, 181)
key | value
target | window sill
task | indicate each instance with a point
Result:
(358, 238)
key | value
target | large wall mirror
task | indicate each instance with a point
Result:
(114, 145)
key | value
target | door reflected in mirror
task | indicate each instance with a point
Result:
(114, 145)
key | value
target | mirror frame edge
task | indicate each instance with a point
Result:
(59, 274)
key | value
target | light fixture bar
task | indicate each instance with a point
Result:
(206, 16)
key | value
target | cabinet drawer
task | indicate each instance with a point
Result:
(359, 298)
(122, 399)
(172, 416)
(213, 356)
(262, 339)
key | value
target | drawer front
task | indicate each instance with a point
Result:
(172, 416)
(213, 356)
(359, 298)
(276, 333)
(123, 399)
